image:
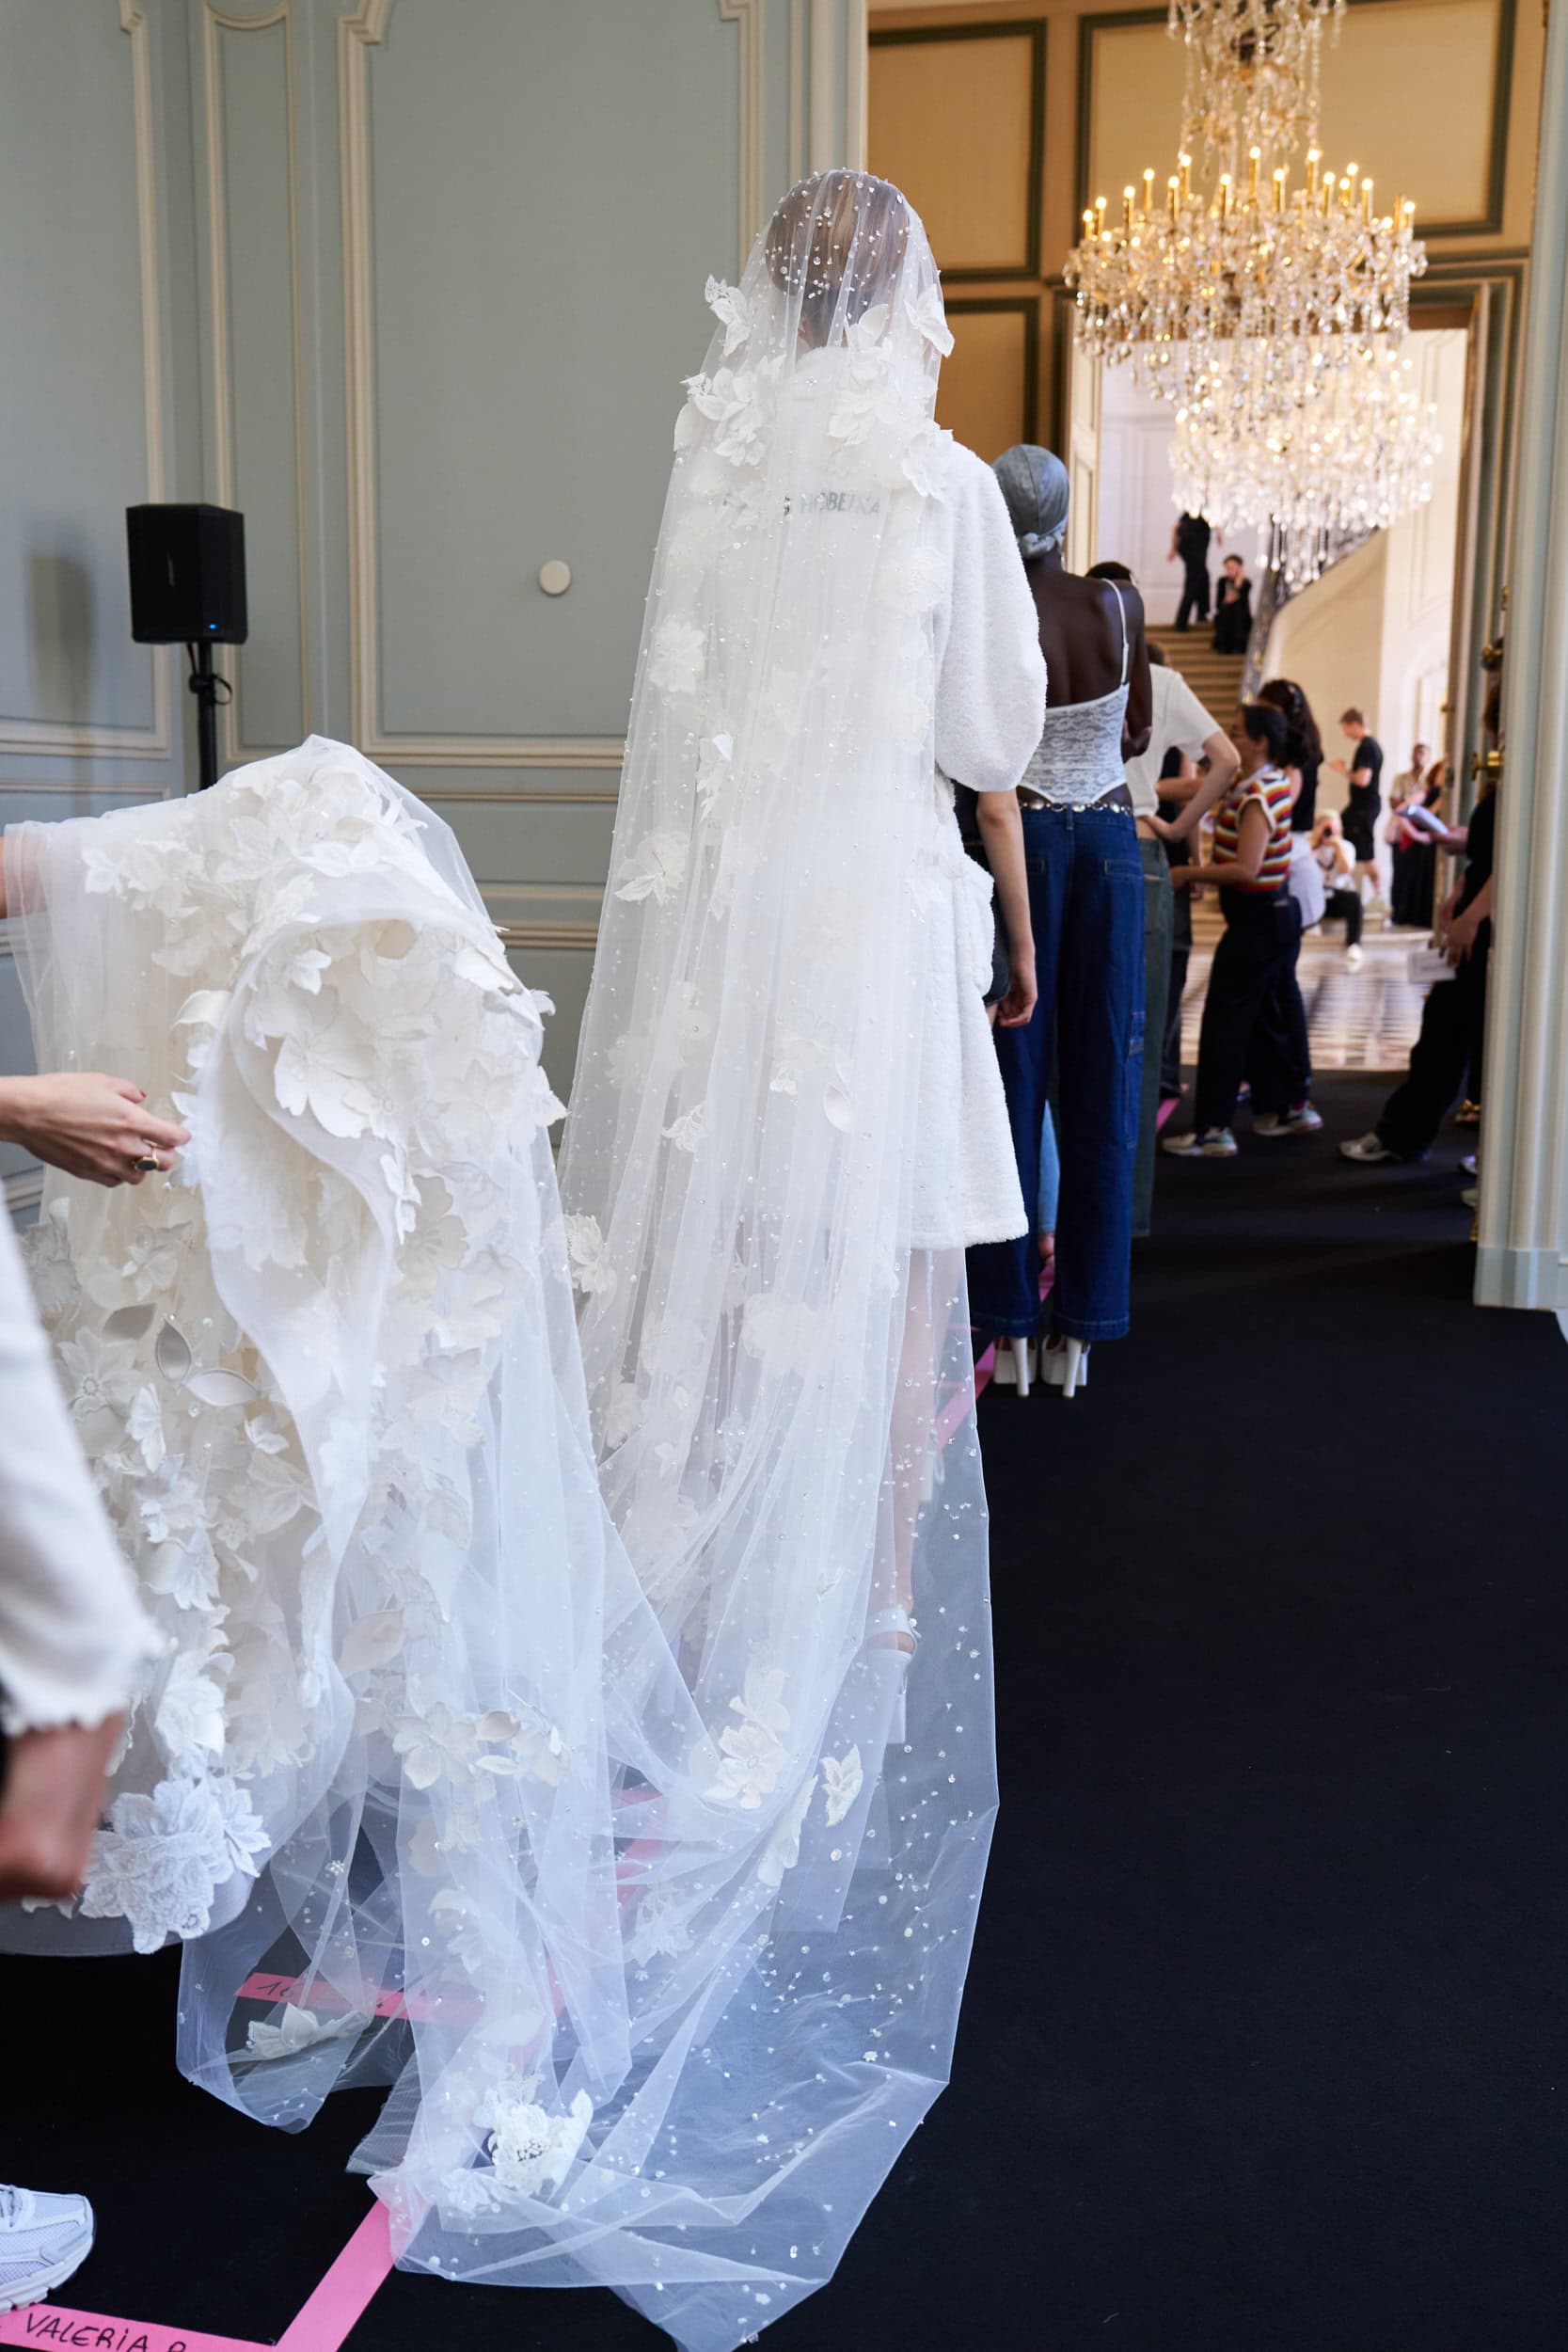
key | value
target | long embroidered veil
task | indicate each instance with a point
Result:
(634, 1852)
(774, 1326)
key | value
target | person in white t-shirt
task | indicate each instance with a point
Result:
(1180, 724)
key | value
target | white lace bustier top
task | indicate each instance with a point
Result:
(1079, 756)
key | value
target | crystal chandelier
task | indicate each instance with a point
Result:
(1258, 288)
(1350, 458)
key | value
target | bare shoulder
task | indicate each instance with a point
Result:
(1108, 594)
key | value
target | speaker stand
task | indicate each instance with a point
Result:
(204, 685)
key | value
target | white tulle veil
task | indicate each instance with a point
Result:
(775, 1342)
(603, 1840)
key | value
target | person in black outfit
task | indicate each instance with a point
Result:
(1189, 547)
(1364, 799)
(1414, 837)
(1453, 1019)
(1304, 747)
(1233, 620)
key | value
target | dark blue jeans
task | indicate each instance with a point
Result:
(1086, 905)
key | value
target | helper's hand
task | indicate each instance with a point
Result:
(88, 1125)
(1461, 937)
(1018, 1005)
(49, 1809)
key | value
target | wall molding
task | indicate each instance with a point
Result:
(25, 1191)
(582, 937)
(52, 738)
(358, 35)
(531, 796)
(747, 16)
(217, 20)
(1027, 307)
(1033, 31)
(85, 788)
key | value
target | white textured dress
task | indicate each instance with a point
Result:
(990, 716)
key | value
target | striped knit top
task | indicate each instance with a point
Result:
(1272, 792)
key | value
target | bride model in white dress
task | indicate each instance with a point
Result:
(786, 1123)
(605, 1866)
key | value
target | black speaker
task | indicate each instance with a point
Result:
(187, 574)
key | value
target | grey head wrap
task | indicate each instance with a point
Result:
(1034, 485)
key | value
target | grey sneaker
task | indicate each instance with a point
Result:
(42, 2240)
(1369, 1148)
(1214, 1143)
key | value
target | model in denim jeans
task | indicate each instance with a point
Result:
(1087, 903)
(1086, 900)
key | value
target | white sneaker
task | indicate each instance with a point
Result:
(1303, 1121)
(1216, 1144)
(1369, 1147)
(42, 2240)
(1353, 958)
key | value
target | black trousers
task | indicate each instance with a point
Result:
(1254, 1022)
(1195, 591)
(1414, 885)
(1348, 904)
(1454, 1020)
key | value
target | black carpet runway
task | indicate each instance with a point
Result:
(1264, 2044)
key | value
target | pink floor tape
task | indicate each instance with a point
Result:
(322, 2324)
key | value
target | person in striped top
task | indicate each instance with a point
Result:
(1253, 1022)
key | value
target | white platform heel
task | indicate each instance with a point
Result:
(1067, 1367)
(893, 1632)
(1015, 1365)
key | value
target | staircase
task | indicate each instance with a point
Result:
(1215, 678)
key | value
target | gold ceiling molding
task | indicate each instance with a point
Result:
(54, 739)
(1487, 222)
(217, 20)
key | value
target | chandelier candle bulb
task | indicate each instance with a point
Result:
(1314, 158)
(1148, 187)
(1173, 197)
(1127, 208)
(1280, 189)
(1100, 211)
(1254, 157)
(1367, 201)
(1185, 164)
(1225, 196)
